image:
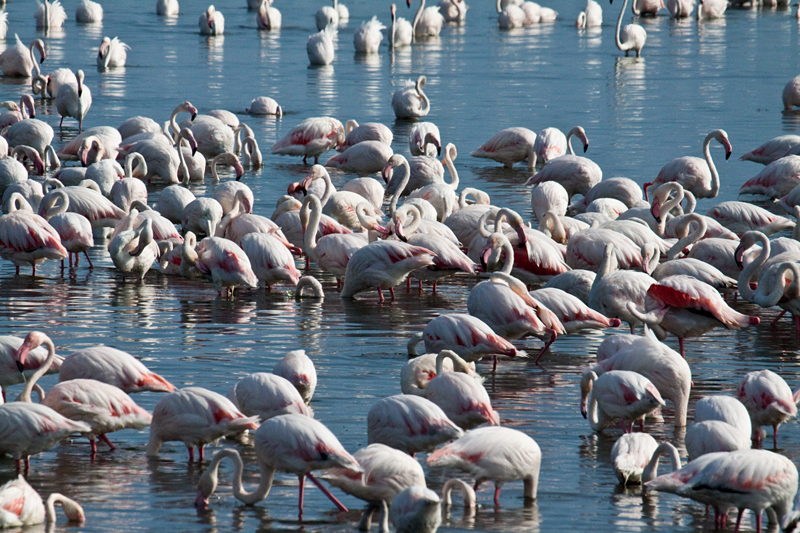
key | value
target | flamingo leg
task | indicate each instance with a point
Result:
(633, 331)
(380, 295)
(553, 337)
(775, 437)
(87, 258)
(34, 270)
(494, 366)
(191, 453)
(775, 322)
(326, 492)
(19, 468)
(758, 523)
(391, 291)
(408, 284)
(201, 449)
(308, 266)
(434, 287)
(496, 496)
(738, 520)
(61, 123)
(302, 481)
(641, 424)
(420, 285)
(305, 157)
(796, 320)
(105, 439)
(27, 464)
(17, 273)
(93, 442)
(680, 343)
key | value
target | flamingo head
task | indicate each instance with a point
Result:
(316, 173)
(38, 164)
(394, 11)
(655, 209)
(399, 231)
(430, 138)
(90, 147)
(187, 107)
(210, 16)
(104, 46)
(33, 340)
(187, 134)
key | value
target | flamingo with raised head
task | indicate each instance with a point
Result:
(402, 33)
(113, 53)
(632, 36)
(27, 238)
(74, 229)
(74, 100)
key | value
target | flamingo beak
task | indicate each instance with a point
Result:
(398, 229)
(408, 3)
(487, 252)
(305, 184)
(237, 166)
(201, 501)
(523, 239)
(22, 354)
(738, 255)
(656, 210)
(388, 170)
(728, 149)
(193, 110)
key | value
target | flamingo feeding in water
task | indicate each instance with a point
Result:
(21, 506)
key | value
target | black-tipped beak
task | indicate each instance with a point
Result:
(194, 116)
(20, 367)
(727, 155)
(585, 147)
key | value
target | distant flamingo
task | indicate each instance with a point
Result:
(268, 18)
(496, 454)
(509, 146)
(287, 443)
(409, 101)
(646, 7)
(427, 22)
(112, 54)
(211, 22)
(791, 92)
(768, 399)
(89, 12)
(22, 506)
(680, 8)
(617, 395)
(369, 131)
(511, 16)
(745, 479)
(312, 137)
(50, 15)
(320, 47)
(195, 416)
(409, 423)
(697, 175)
(367, 38)
(402, 33)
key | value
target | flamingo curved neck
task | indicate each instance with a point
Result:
(747, 272)
(651, 470)
(467, 492)
(57, 204)
(417, 16)
(690, 239)
(313, 210)
(184, 167)
(499, 7)
(622, 46)
(508, 266)
(71, 508)
(426, 104)
(248, 498)
(451, 168)
(483, 222)
(459, 365)
(25, 396)
(552, 224)
(707, 154)
(400, 188)
(411, 347)
(329, 189)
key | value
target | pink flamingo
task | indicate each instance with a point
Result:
(382, 265)
(714, 436)
(740, 217)
(299, 369)
(723, 408)
(409, 423)
(746, 479)
(195, 416)
(266, 395)
(18, 60)
(369, 131)
(74, 229)
(468, 336)
(772, 150)
(496, 454)
(270, 259)
(551, 143)
(21, 506)
(226, 263)
(424, 139)
(697, 175)
(312, 137)
(112, 366)
(416, 509)
(98, 209)
(577, 174)
(94, 144)
(585, 251)
(625, 190)
(364, 158)
(288, 443)
(573, 314)
(509, 146)
(776, 180)
(617, 395)
(769, 401)
(687, 307)
(10, 373)
(630, 455)
(27, 238)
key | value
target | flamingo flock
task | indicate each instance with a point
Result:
(597, 252)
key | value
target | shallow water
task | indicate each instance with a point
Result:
(638, 114)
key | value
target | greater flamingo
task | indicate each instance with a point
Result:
(617, 395)
(551, 143)
(415, 510)
(21, 506)
(740, 217)
(632, 36)
(772, 150)
(714, 436)
(211, 22)
(577, 174)
(364, 158)
(630, 455)
(74, 100)
(769, 401)
(509, 146)
(320, 47)
(367, 38)
(113, 53)
(776, 180)
(402, 33)
(226, 263)
(409, 101)
(267, 395)
(270, 260)
(427, 22)
(134, 251)
(299, 369)
(312, 137)
(89, 12)
(409, 423)
(369, 131)
(723, 408)
(112, 366)
(49, 15)
(466, 335)
(27, 238)
(18, 60)
(74, 229)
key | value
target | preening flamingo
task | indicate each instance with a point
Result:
(630, 455)
(134, 251)
(10, 373)
(320, 47)
(409, 423)
(425, 139)
(617, 395)
(211, 22)
(89, 12)
(367, 38)
(551, 143)
(288, 443)
(299, 369)
(745, 479)
(409, 101)
(112, 54)
(312, 137)
(769, 401)
(21, 506)
(776, 180)
(496, 454)
(632, 36)
(697, 175)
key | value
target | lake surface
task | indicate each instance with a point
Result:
(638, 114)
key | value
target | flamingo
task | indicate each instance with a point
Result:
(577, 174)
(631, 454)
(740, 217)
(496, 454)
(466, 335)
(112, 366)
(49, 15)
(575, 282)
(94, 144)
(509, 146)
(364, 158)
(195, 416)
(772, 150)
(384, 473)
(264, 105)
(646, 7)
(3, 25)
(680, 8)
(625, 190)
(266, 395)
(134, 251)
(11, 374)
(427, 22)
(402, 33)
(89, 12)
(698, 269)
(18, 60)
(714, 436)
(549, 196)
(74, 230)
(382, 265)
(367, 38)
(21, 506)
(167, 8)
(410, 424)
(791, 92)
(585, 251)
(48, 85)
(369, 131)
(711, 9)
(551, 144)
(409, 101)
(268, 18)
(414, 510)
(511, 16)
(776, 180)
(270, 260)
(453, 10)
(298, 368)
(202, 215)
(326, 16)
(745, 479)
(632, 36)
(591, 16)
(573, 314)
(288, 443)
(421, 369)
(617, 394)
(15, 112)
(211, 22)
(320, 47)
(27, 238)
(112, 54)
(717, 252)
(226, 263)
(312, 137)
(725, 409)
(74, 100)
(769, 401)
(173, 200)
(30, 132)
(699, 176)
(687, 307)
(462, 398)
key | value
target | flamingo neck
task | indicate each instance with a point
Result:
(690, 239)
(411, 347)
(451, 168)
(508, 266)
(400, 188)
(51, 159)
(173, 123)
(25, 396)
(312, 209)
(426, 104)
(747, 272)
(58, 204)
(466, 492)
(184, 167)
(651, 470)
(417, 16)
(714, 174)
(248, 498)
(394, 28)
(498, 7)
(329, 189)
(530, 484)
(552, 224)
(622, 46)
(214, 162)
(71, 508)
(634, 7)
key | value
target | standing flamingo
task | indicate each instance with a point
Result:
(112, 366)
(21, 506)
(551, 142)
(288, 443)
(409, 423)
(409, 101)
(496, 454)
(74, 100)
(266, 395)
(768, 399)
(776, 180)
(211, 22)
(74, 229)
(26, 238)
(402, 33)
(509, 146)
(312, 137)
(19, 61)
(577, 174)
(427, 22)
(632, 36)
(617, 395)
(466, 335)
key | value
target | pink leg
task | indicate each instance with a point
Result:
(434, 287)
(61, 123)
(380, 295)
(391, 291)
(494, 366)
(780, 315)
(680, 343)
(758, 523)
(553, 337)
(27, 464)
(105, 439)
(19, 466)
(408, 285)
(633, 332)
(496, 496)
(775, 437)
(191, 453)
(77, 259)
(34, 270)
(641, 424)
(93, 442)
(201, 449)
(327, 493)
(796, 320)
(308, 264)
(420, 285)
(738, 520)
(302, 481)
(87, 258)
